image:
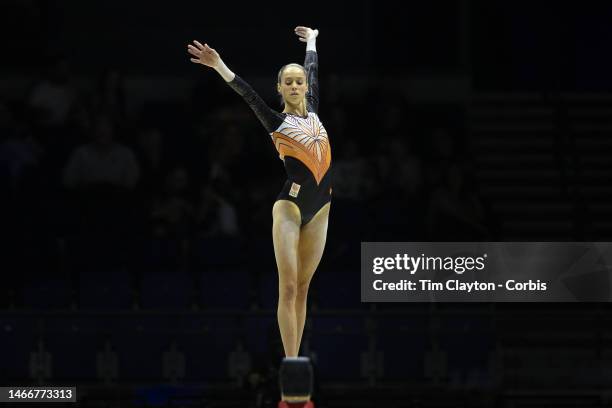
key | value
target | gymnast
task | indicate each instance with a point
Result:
(301, 211)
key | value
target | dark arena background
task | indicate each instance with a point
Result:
(156, 285)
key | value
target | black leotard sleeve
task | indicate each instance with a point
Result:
(311, 64)
(268, 117)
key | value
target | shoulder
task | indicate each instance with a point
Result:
(314, 116)
(280, 118)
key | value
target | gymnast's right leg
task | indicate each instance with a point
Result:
(286, 234)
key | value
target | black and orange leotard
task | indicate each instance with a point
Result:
(302, 143)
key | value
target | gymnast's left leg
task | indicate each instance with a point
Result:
(310, 250)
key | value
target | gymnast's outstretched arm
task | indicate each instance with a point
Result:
(207, 56)
(311, 64)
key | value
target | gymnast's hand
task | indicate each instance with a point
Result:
(204, 55)
(306, 33)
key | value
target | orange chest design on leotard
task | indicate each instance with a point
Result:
(306, 140)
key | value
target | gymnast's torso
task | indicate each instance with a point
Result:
(303, 145)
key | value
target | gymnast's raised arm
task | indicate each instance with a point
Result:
(311, 65)
(203, 54)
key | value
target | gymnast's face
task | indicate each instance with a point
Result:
(292, 86)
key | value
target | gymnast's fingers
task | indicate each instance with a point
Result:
(193, 50)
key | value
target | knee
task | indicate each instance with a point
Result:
(302, 289)
(287, 292)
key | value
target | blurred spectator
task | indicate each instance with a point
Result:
(78, 125)
(19, 151)
(442, 144)
(107, 363)
(349, 173)
(53, 97)
(226, 158)
(173, 210)
(216, 214)
(440, 151)
(102, 161)
(392, 117)
(100, 177)
(173, 363)
(239, 364)
(400, 168)
(150, 151)
(258, 215)
(172, 219)
(41, 363)
(436, 364)
(110, 95)
(456, 211)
